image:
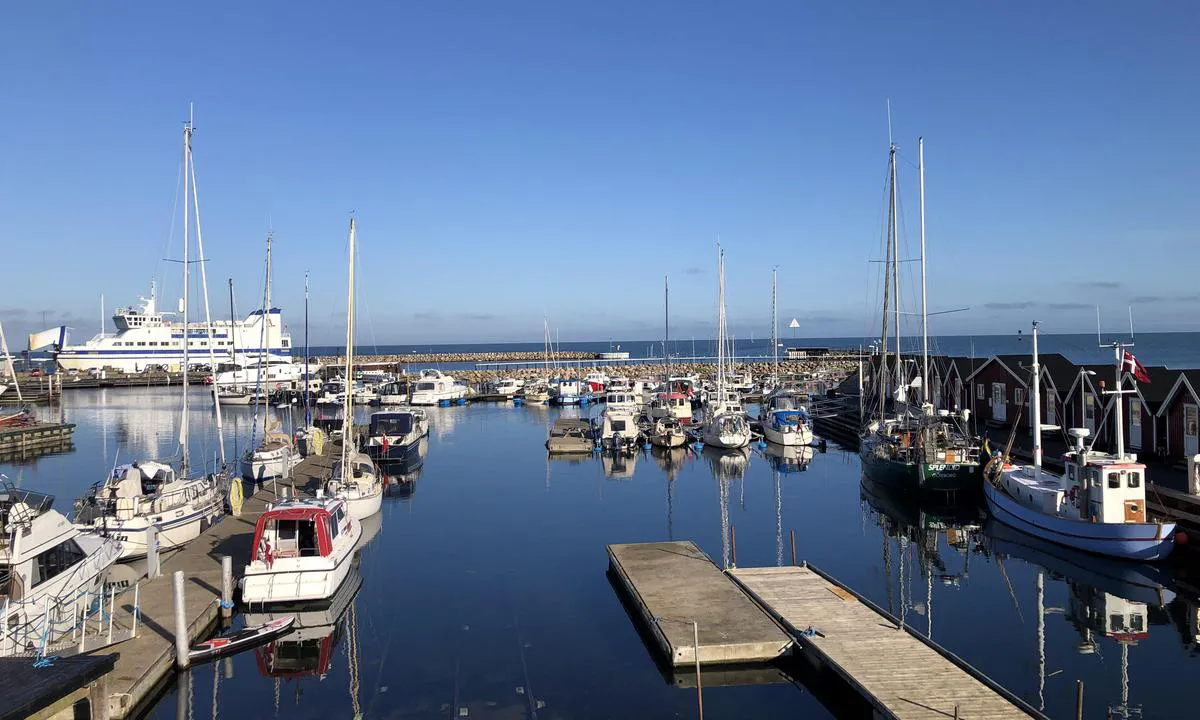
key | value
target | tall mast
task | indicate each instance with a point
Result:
(307, 406)
(925, 396)
(1118, 391)
(884, 379)
(1035, 416)
(896, 268)
(183, 422)
(266, 319)
(720, 325)
(9, 363)
(667, 331)
(348, 400)
(208, 321)
(775, 323)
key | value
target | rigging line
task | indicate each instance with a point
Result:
(160, 276)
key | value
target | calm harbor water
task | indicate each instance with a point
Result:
(484, 592)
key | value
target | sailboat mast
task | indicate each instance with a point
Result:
(266, 319)
(667, 331)
(307, 405)
(183, 422)
(1035, 415)
(720, 324)
(884, 378)
(775, 323)
(925, 396)
(348, 400)
(208, 321)
(896, 268)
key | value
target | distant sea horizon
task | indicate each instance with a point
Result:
(1175, 350)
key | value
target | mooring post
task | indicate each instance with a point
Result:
(181, 628)
(226, 586)
(153, 566)
(1078, 700)
(793, 531)
(696, 654)
(98, 699)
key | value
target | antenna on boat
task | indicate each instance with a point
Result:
(889, 116)
(1130, 323)
(1098, 340)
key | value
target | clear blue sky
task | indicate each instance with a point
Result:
(507, 159)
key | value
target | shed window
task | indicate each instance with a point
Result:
(979, 391)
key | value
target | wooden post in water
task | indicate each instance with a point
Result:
(98, 699)
(793, 531)
(696, 655)
(733, 543)
(226, 586)
(1078, 700)
(181, 629)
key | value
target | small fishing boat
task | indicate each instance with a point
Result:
(566, 391)
(392, 393)
(536, 392)
(302, 551)
(244, 639)
(618, 429)
(786, 421)
(675, 405)
(507, 387)
(596, 381)
(668, 433)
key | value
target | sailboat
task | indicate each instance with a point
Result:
(152, 495)
(727, 428)
(537, 391)
(355, 478)
(1098, 506)
(912, 447)
(274, 457)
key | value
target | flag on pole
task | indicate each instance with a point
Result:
(1131, 365)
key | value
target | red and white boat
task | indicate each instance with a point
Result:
(302, 552)
(596, 380)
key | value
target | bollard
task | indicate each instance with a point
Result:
(226, 586)
(696, 654)
(733, 543)
(181, 627)
(793, 531)
(153, 566)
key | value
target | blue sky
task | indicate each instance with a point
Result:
(511, 159)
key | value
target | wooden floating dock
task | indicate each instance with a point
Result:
(673, 584)
(32, 440)
(902, 674)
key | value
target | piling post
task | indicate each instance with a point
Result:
(733, 544)
(137, 609)
(696, 654)
(1078, 700)
(181, 628)
(226, 586)
(793, 532)
(183, 695)
(98, 699)
(153, 566)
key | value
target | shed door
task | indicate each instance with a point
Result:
(1191, 435)
(999, 408)
(1135, 425)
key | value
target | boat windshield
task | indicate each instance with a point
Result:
(392, 425)
(426, 386)
(785, 402)
(296, 538)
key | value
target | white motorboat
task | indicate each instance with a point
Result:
(275, 373)
(1099, 505)
(302, 551)
(786, 421)
(273, 459)
(434, 387)
(623, 399)
(392, 393)
(674, 405)
(618, 429)
(508, 387)
(332, 392)
(596, 381)
(536, 392)
(393, 435)
(667, 432)
(567, 391)
(236, 396)
(47, 568)
(137, 497)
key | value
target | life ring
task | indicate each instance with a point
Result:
(235, 496)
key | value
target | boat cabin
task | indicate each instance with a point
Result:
(36, 544)
(392, 424)
(622, 398)
(360, 467)
(297, 529)
(1105, 489)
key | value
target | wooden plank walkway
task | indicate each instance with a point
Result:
(901, 674)
(672, 584)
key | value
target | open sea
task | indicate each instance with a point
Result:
(484, 594)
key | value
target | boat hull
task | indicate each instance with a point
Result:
(361, 507)
(269, 465)
(299, 585)
(1131, 541)
(922, 477)
(788, 435)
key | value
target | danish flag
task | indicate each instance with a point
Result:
(1131, 365)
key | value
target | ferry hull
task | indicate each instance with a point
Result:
(1131, 541)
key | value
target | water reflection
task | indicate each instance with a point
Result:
(726, 466)
(788, 458)
(400, 479)
(618, 465)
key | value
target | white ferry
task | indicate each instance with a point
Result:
(145, 338)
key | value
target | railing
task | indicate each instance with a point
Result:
(69, 625)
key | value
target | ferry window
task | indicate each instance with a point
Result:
(1114, 480)
(57, 559)
(1135, 479)
(141, 344)
(152, 342)
(287, 343)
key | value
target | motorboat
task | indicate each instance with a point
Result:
(726, 431)
(741, 382)
(623, 399)
(308, 650)
(361, 487)
(147, 495)
(302, 551)
(596, 381)
(434, 386)
(47, 569)
(674, 405)
(536, 392)
(276, 373)
(618, 384)
(238, 396)
(364, 394)
(1098, 505)
(570, 435)
(332, 392)
(667, 432)
(567, 391)
(273, 459)
(617, 428)
(392, 393)
(786, 421)
(393, 435)
(507, 387)
(721, 401)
